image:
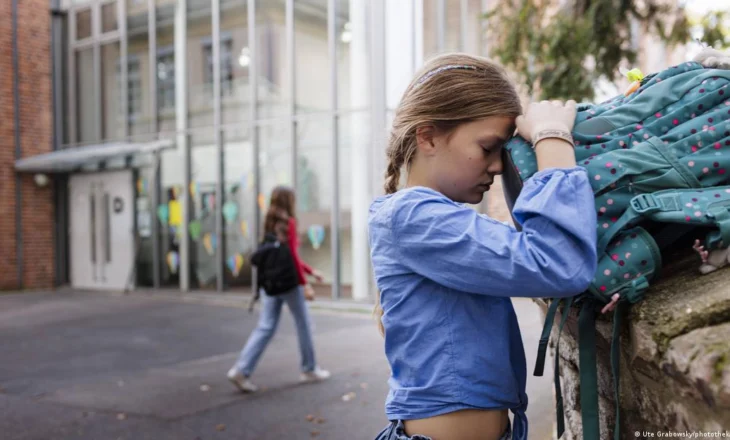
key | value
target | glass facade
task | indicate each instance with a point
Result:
(254, 94)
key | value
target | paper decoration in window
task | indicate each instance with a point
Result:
(163, 213)
(141, 186)
(195, 228)
(175, 213)
(235, 262)
(316, 235)
(209, 202)
(193, 189)
(230, 212)
(210, 243)
(247, 181)
(173, 261)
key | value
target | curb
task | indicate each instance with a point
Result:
(243, 300)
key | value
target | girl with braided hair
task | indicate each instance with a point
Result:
(446, 273)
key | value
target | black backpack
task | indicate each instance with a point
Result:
(277, 272)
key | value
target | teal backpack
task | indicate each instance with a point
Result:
(657, 160)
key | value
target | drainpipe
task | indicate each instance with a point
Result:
(16, 119)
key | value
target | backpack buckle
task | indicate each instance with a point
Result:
(645, 204)
(635, 292)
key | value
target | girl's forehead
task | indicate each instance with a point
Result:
(492, 128)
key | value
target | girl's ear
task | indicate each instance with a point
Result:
(424, 136)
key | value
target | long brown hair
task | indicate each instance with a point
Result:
(282, 207)
(450, 90)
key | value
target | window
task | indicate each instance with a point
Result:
(134, 88)
(226, 65)
(83, 24)
(166, 79)
(109, 17)
(133, 102)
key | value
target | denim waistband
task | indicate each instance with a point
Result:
(396, 431)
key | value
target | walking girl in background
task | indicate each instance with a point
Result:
(446, 273)
(280, 224)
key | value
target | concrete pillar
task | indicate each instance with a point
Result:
(181, 125)
(386, 70)
(360, 133)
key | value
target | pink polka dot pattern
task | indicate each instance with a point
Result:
(630, 257)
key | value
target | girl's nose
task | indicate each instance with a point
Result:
(496, 166)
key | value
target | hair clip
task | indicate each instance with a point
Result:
(433, 72)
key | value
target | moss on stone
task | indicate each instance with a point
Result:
(720, 365)
(684, 300)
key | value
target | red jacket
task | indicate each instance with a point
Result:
(301, 266)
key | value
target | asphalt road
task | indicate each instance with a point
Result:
(109, 367)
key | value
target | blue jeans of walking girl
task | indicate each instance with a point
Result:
(269, 320)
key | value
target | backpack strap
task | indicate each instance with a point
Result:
(616, 362)
(690, 207)
(673, 206)
(634, 292)
(721, 217)
(545, 337)
(559, 408)
(639, 206)
(588, 371)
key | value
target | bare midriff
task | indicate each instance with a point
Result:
(468, 424)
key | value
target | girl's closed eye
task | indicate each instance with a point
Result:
(491, 148)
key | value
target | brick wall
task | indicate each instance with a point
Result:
(34, 63)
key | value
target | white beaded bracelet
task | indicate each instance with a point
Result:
(552, 134)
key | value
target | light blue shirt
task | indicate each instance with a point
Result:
(445, 275)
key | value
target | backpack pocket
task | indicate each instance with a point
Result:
(628, 264)
(647, 167)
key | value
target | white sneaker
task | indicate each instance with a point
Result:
(316, 375)
(241, 382)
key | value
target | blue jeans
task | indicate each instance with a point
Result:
(397, 431)
(268, 321)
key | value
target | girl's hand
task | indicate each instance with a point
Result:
(318, 275)
(713, 59)
(308, 292)
(546, 115)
